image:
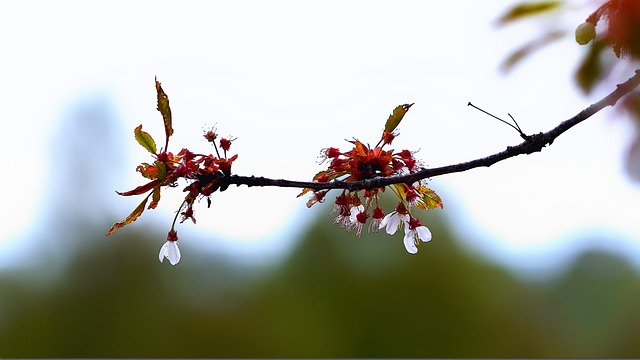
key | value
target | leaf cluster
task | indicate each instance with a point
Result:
(205, 173)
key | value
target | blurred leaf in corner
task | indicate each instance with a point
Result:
(590, 71)
(631, 108)
(526, 9)
(529, 48)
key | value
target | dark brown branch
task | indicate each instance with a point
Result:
(532, 143)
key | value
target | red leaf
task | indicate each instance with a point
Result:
(140, 189)
(360, 148)
(156, 198)
(148, 171)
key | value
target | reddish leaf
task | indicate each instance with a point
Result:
(321, 174)
(360, 148)
(145, 139)
(165, 110)
(156, 198)
(131, 218)
(140, 189)
(148, 171)
(304, 191)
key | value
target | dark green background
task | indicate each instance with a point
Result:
(334, 295)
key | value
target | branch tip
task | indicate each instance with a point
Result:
(531, 144)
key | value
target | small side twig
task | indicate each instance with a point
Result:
(516, 127)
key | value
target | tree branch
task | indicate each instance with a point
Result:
(531, 144)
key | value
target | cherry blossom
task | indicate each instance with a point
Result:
(170, 249)
(414, 231)
(394, 219)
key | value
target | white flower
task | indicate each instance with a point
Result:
(170, 251)
(412, 232)
(392, 221)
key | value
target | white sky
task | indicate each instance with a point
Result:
(290, 78)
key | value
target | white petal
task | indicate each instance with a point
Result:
(423, 233)
(397, 220)
(355, 210)
(410, 241)
(392, 225)
(385, 220)
(173, 252)
(163, 251)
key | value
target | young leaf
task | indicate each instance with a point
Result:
(165, 110)
(591, 71)
(523, 10)
(430, 198)
(360, 149)
(304, 191)
(148, 171)
(162, 170)
(131, 218)
(396, 116)
(140, 189)
(145, 139)
(155, 198)
(321, 174)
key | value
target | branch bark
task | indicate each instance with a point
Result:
(531, 144)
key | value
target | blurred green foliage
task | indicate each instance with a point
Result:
(334, 296)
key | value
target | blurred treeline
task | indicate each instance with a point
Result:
(334, 296)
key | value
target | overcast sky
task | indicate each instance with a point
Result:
(290, 78)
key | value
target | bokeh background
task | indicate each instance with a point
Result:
(535, 256)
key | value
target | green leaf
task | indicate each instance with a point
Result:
(145, 139)
(430, 198)
(131, 218)
(162, 170)
(400, 189)
(590, 71)
(517, 56)
(165, 110)
(526, 9)
(396, 116)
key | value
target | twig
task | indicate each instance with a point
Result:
(533, 143)
(516, 127)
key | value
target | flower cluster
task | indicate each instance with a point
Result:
(204, 173)
(208, 173)
(363, 162)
